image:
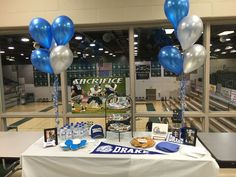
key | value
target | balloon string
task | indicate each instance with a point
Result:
(55, 101)
(182, 97)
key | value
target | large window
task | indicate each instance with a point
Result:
(222, 68)
(158, 89)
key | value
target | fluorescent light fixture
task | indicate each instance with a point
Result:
(135, 43)
(223, 53)
(114, 55)
(217, 50)
(228, 47)
(106, 51)
(93, 56)
(169, 31)
(78, 38)
(22, 54)
(11, 48)
(227, 39)
(78, 53)
(24, 39)
(2, 51)
(26, 58)
(224, 33)
(92, 44)
(100, 49)
(110, 53)
(233, 51)
(135, 35)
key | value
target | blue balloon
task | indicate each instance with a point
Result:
(171, 59)
(40, 31)
(41, 61)
(62, 30)
(176, 10)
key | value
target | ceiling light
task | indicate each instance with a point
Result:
(228, 47)
(110, 54)
(217, 50)
(11, 59)
(78, 53)
(223, 53)
(92, 44)
(86, 54)
(22, 54)
(225, 33)
(233, 51)
(210, 45)
(24, 39)
(227, 39)
(26, 58)
(93, 56)
(11, 48)
(114, 55)
(2, 51)
(135, 35)
(135, 48)
(135, 51)
(106, 51)
(135, 43)
(100, 49)
(169, 31)
(78, 38)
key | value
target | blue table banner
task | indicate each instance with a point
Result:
(105, 148)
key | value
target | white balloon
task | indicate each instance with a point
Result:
(189, 30)
(61, 57)
(194, 58)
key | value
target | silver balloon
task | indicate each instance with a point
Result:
(61, 57)
(189, 30)
(194, 58)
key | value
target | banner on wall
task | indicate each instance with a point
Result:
(233, 96)
(88, 94)
(105, 148)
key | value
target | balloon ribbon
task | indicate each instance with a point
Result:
(182, 97)
(55, 101)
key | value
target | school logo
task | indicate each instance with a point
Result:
(106, 148)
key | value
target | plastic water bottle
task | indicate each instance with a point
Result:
(85, 129)
(63, 133)
(80, 131)
(68, 133)
(75, 132)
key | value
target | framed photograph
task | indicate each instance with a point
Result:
(159, 131)
(190, 136)
(50, 134)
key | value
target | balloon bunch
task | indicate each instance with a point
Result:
(56, 55)
(188, 30)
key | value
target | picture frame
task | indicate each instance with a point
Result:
(50, 134)
(189, 136)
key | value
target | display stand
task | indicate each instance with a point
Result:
(118, 114)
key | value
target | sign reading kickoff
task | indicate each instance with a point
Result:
(101, 81)
(105, 148)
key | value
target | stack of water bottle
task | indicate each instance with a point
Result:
(74, 131)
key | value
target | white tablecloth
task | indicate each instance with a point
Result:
(54, 162)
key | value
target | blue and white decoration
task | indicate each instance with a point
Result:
(56, 55)
(106, 148)
(188, 30)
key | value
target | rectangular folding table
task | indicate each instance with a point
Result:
(38, 161)
(222, 146)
